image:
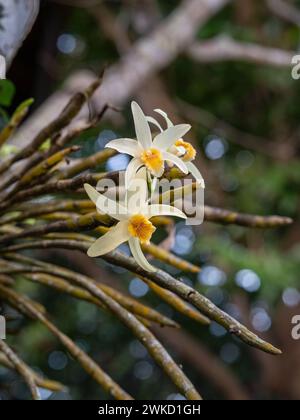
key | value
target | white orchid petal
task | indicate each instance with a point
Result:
(106, 205)
(153, 121)
(164, 210)
(159, 172)
(110, 241)
(196, 173)
(137, 192)
(165, 115)
(142, 129)
(138, 255)
(132, 168)
(168, 137)
(128, 146)
(176, 160)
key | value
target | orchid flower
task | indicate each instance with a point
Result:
(148, 152)
(134, 222)
(180, 148)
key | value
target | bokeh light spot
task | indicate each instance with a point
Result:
(248, 280)
(138, 288)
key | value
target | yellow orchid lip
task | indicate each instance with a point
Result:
(140, 227)
(190, 152)
(152, 159)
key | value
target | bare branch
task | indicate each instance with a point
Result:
(285, 11)
(227, 217)
(224, 48)
(148, 56)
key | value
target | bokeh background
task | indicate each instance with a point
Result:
(245, 115)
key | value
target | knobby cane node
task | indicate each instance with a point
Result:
(149, 409)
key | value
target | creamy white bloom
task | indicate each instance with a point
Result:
(148, 152)
(180, 148)
(134, 222)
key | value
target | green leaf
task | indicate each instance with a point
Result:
(7, 92)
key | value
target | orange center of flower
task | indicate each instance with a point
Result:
(152, 159)
(140, 227)
(190, 152)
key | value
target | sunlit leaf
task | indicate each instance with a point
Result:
(7, 91)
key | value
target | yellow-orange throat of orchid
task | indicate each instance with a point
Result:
(140, 227)
(153, 160)
(190, 152)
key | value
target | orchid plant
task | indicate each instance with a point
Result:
(150, 157)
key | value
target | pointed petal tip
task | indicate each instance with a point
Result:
(161, 112)
(91, 254)
(153, 269)
(147, 267)
(108, 144)
(134, 105)
(90, 190)
(87, 187)
(185, 126)
(137, 109)
(138, 255)
(180, 214)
